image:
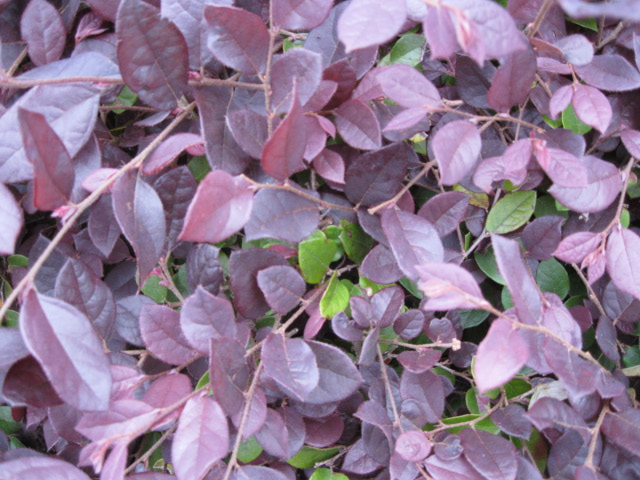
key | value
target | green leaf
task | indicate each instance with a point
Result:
(408, 50)
(507, 301)
(472, 318)
(511, 212)
(11, 318)
(199, 167)
(589, 23)
(203, 381)
(327, 474)
(625, 218)
(516, 387)
(570, 121)
(307, 457)
(249, 450)
(485, 424)
(471, 401)
(631, 357)
(557, 123)
(335, 298)
(7, 424)
(487, 263)
(551, 276)
(153, 289)
(355, 241)
(17, 261)
(315, 254)
(412, 287)
(125, 97)
(547, 205)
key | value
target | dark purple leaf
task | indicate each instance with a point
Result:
(221, 207)
(408, 87)
(610, 72)
(103, 227)
(592, 107)
(26, 384)
(53, 173)
(299, 67)
(346, 328)
(606, 338)
(229, 373)
(457, 468)
(283, 287)
(11, 221)
(65, 344)
(376, 176)
(283, 215)
(204, 316)
(445, 211)
(413, 240)
(409, 324)
(249, 129)
(160, 330)
(339, 377)
(493, 456)
(204, 269)
(512, 166)
(42, 28)
(152, 54)
(448, 286)
(273, 436)
(38, 467)
(380, 266)
(300, 14)
(330, 166)
(237, 38)
(357, 460)
(422, 397)
(169, 150)
(366, 23)
(127, 315)
(419, 361)
(12, 347)
(187, 16)
(323, 432)
(542, 236)
(201, 440)
(283, 152)
(512, 420)
(358, 125)
(252, 472)
(140, 214)
(456, 147)
(576, 374)
(244, 266)
(501, 354)
(512, 82)
(292, 364)
(623, 429)
(256, 416)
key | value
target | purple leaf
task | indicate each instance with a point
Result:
(221, 207)
(623, 429)
(204, 316)
(564, 168)
(140, 214)
(440, 31)
(68, 349)
(576, 374)
(592, 107)
(448, 286)
(512, 420)
(493, 456)
(404, 120)
(445, 211)
(42, 28)
(408, 87)
(152, 54)
(201, 440)
(610, 72)
(542, 236)
(631, 140)
(511, 84)
(501, 354)
(358, 125)
(283, 215)
(380, 266)
(422, 397)
(623, 260)
(575, 247)
(283, 287)
(339, 377)
(297, 66)
(36, 468)
(204, 269)
(451, 469)
(169, 150)
(606, 337)
(187, 16)
(330, 166)
(346, 328)
(323, 432)
(252, 472)
(273, 436)
(386, 305)
(26, 384)
(409, 324)
(256, 416)
(53, 173)
(576, 49)
(249, 129)
(283, 152)
(229, 373)
(557, 319)
(103, 227)
(560, 100)
(11, 221)
(300, 14)
(413, 240)
(237, 38)
(366, 23)
(456, 147)
(603, 186)
(358, 461)
(419, 361)
(166, 391)
(160, 330)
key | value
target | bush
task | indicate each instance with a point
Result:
(385, 239)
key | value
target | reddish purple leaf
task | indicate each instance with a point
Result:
(39, 467)
(560, 100)
(623, 429)
(610, 72)
(422, 397)
(405, 120)
(300, 14)
(576, 49)
(592, 107)
(169, 150)
(299, 67)
(501, 354)
(42, 28)
(229, 373)
(541, 237)
(603, 186)
(440, 31)
(160, 330)
(575, 247)
(65, 344)
(283, 287)
(323, 432)
(26, 383)
(511, 84)
(273, 436)
(512, 420)
(448, 286)
(631, 140)
(419, 361)
(413, 240)
(221, 207)
(445, 211)
(204, 316)
(249, 129)
(152, 54)
(140, 214)
(113, 468)
(292, 364)
(512, 166)
(330, 166)
(103, 227)
(358, 125)
(237, 38)
(166, 391)
(408, 87)
(256, 416)
(577, 375)
(11, 221)
(53, 172)
(366, 23)
(457, 468)
(557, 319)
(187, 16)
(606, 336)
(201, 440)
(456, 147)
(339, 377)
(623, 260)
(413, 446)
(493, 456)
(564, 168)
(283, 152)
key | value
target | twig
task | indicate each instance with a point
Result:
(427, 166)
(542, 13)
(145, 456)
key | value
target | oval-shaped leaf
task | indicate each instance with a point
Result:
(283, 287)
(623, 260)
(11, 220)
(456, 147)
(169, 150)
(161, 333)
(300, 14)
(339, 377)
(358, 125)
(408, 87)
(367, 23)
(448, 286)
(592, 107)
(38, 467)
(511, 212)
(491, 455)
(610, 72)
(42, 28)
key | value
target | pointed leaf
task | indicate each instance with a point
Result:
(358, 125)
(456, 147)
(221, 207)
(300, 14)
(335, 299)
(623, 429)
(65, 344)
(623, 260)
(511, 212)
(37, 467)
(169, 150)
(152, 54)
(201, 440)
(249, 129)
(592, 107)
(339, 377)
(160, 330)
(229, 373)
(448, 286)
(297, 66)
(445, 211)
(408, 87)
(511, 84)
(560, 100)
(42, 28)
(283, 287)
(610, 72)
(493, 456)
(366, 23)
(576, 49)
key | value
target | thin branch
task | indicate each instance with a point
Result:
(387, 384)
(85, 204)
(16, 63)
(427, 166)
(611, 37)
(542, 13)
(592, 295)
(595, 431)
(145, 456)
